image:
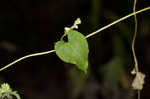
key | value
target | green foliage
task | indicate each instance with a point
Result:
(7, 93)
(74, 51)
(78, 80)
(113, 71)
(95, 12)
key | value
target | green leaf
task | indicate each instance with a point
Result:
(74, 51)
(16, 94)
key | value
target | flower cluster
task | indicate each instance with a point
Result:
(7, 92)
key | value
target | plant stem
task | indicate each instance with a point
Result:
(139, 93)
(134, 37)
(24, 57)
(91, 34)
(133, 42)
(117, 21)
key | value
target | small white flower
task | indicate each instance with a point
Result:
(78, 21)
(76, 27)
(67, 28)
(6, 91)
(5, 88)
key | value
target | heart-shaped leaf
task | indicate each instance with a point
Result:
(74, 51)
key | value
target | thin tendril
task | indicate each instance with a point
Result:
(117, 21)
(24, 57)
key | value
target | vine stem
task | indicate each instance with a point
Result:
(133, 43)
(27, 56)
(139, 94)
(117, 21)
(91, 34)
(134, 37)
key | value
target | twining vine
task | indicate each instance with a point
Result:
(138, 81)
(89, 35)
(133, 44)
(77, 42)
(134, 37)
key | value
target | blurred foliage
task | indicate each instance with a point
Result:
(78, 80)
(94, 17)
(112, 71)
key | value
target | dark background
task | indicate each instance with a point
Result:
(31, 26)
